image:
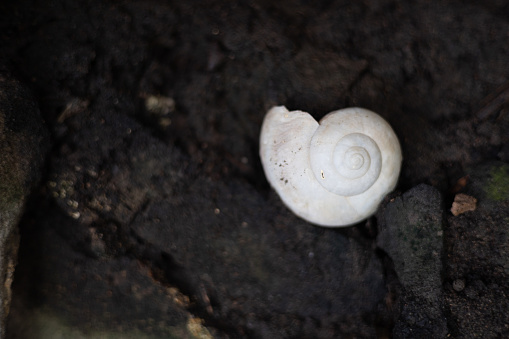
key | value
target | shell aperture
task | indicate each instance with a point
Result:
(333, 173)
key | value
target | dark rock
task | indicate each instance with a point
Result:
(23, 142)
(477, 246)
(249, 267)
(175, 199)
(410, 232)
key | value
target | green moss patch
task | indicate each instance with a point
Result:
(498, 185)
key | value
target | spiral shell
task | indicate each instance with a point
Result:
(333, 173)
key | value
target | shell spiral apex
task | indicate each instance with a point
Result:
(333, 173)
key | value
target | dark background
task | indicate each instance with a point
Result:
(154, 216)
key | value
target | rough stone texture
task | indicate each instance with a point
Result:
(155, 216)
(411, 233)
(477, 265)
(245, 273)
(23, 142)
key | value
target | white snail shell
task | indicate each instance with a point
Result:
(333, 173)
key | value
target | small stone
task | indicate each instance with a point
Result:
(463, 203)
(159, 105)
(458, 285)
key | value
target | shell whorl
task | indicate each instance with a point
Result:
(332, 173)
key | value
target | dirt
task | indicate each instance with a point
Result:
(154, 217)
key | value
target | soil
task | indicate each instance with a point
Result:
(154, 218)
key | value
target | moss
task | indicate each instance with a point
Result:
(11, 196)
(11, 186)
(498, 185)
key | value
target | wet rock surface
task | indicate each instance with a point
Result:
(23, 143)
(154, 219)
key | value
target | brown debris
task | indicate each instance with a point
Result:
(463, 203)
